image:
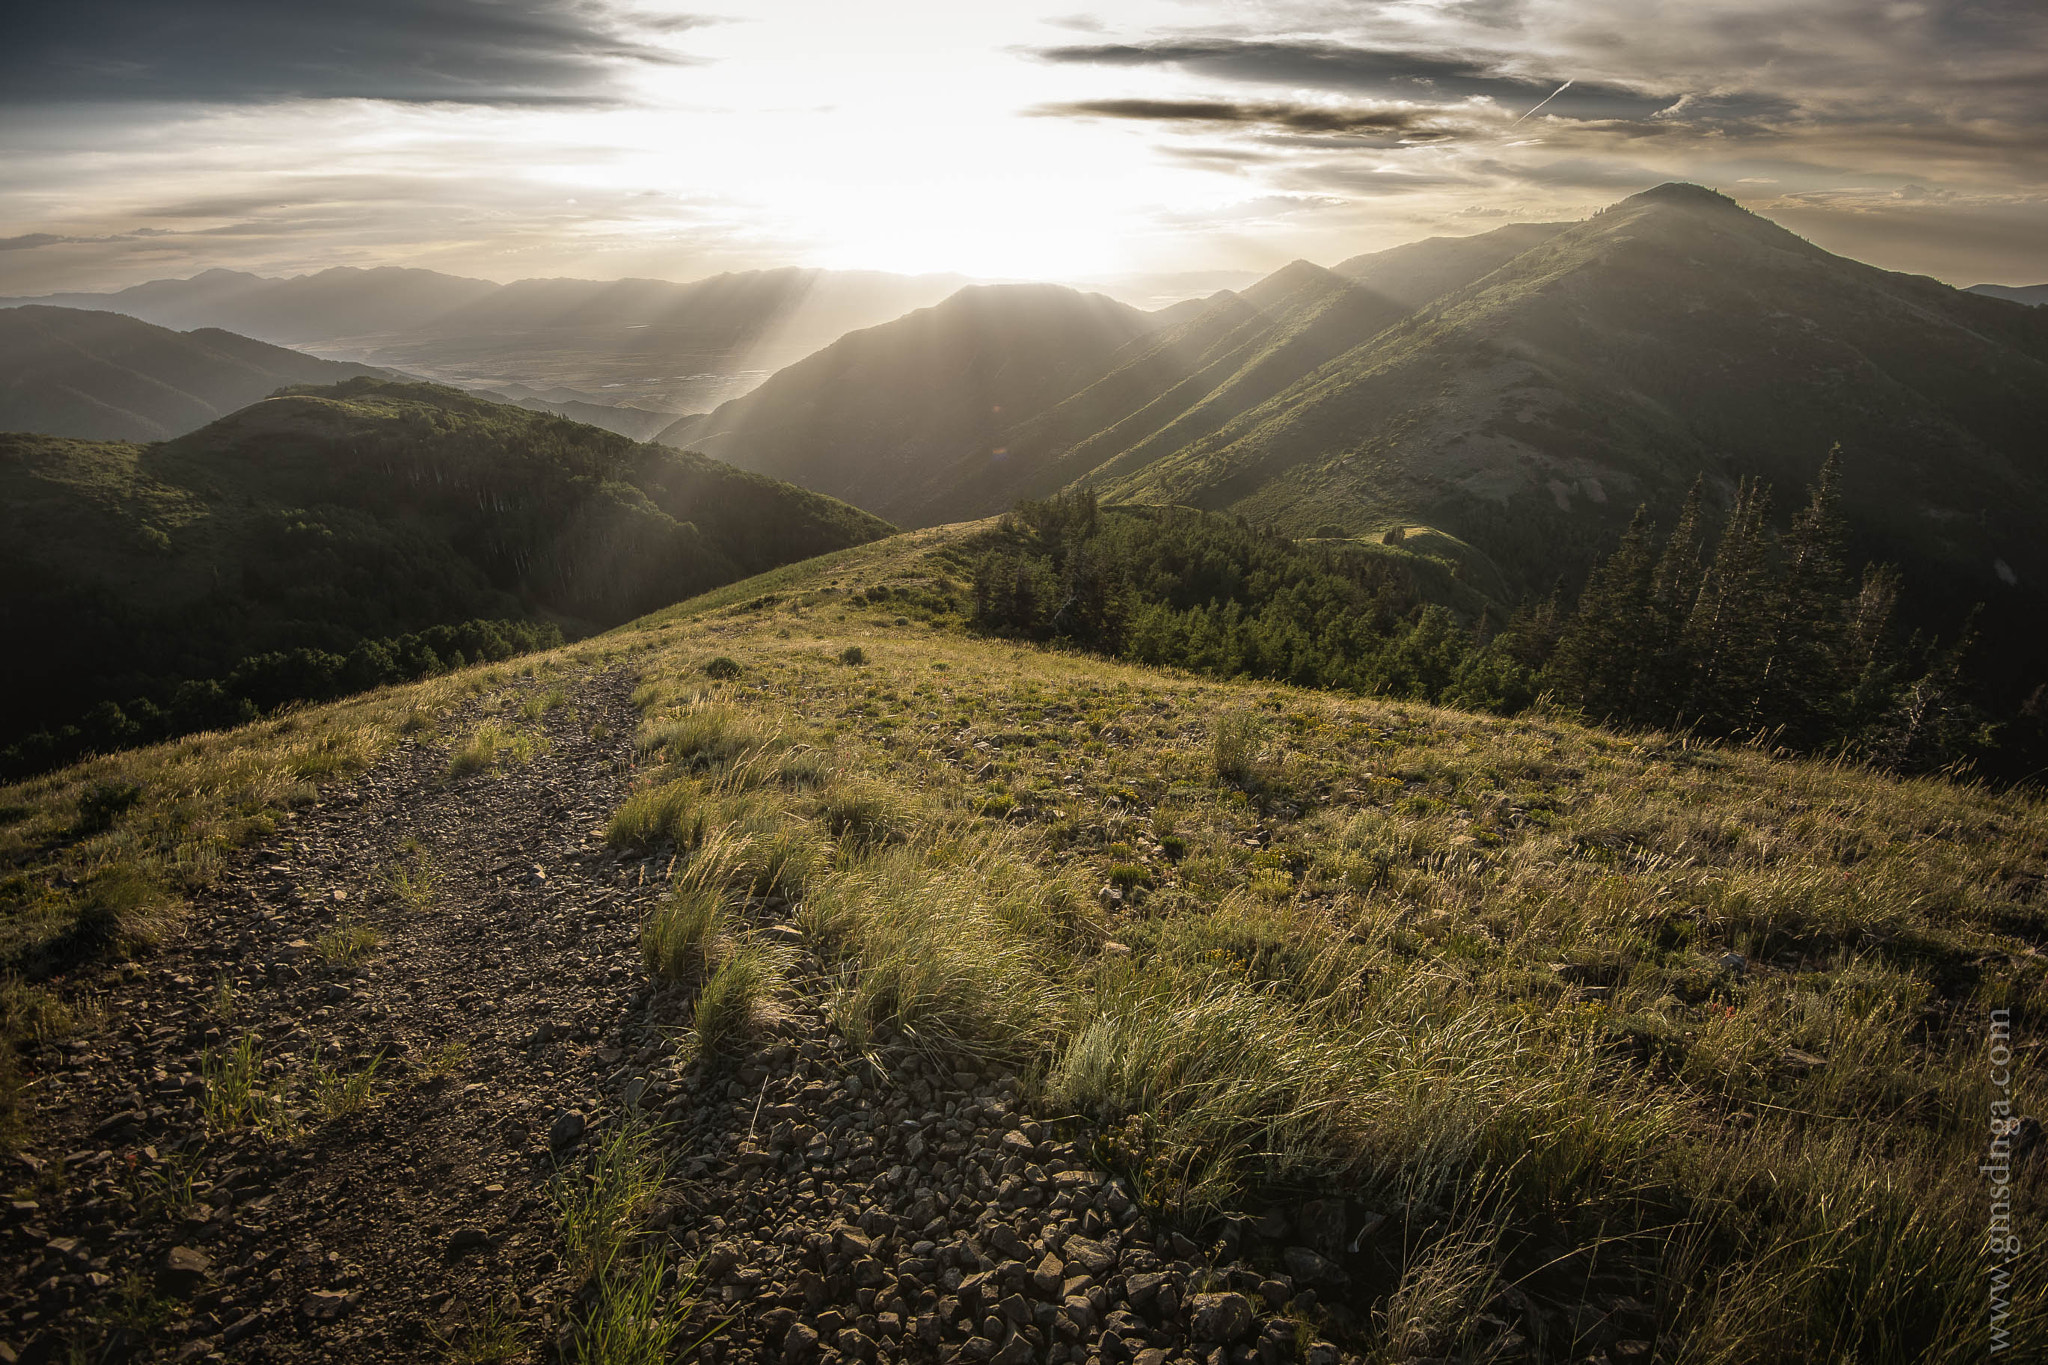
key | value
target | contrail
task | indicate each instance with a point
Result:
(1545, 100)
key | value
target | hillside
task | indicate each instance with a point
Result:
(1416, 273)
(332, 517)
(1100, 414)
(106, 377)
(936, 997)
(650, 344)
(1531, 410)
(872, 417)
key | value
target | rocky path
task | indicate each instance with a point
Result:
(397, 1205)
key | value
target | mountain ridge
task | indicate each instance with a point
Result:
(105, 376)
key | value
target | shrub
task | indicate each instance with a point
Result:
(102, 801)
(722, 668)
(853, 656)
(1234, 746)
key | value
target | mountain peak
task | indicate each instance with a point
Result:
(1685, 194)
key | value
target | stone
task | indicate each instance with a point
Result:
(567, 1128)
(978, 1348)
(1322, 1353)
(1048, 1276)
(324, 1305)
(181, 1269)
(466, 1239)
(1220, 1317)
(1016, 1351)
(798, 1343)
(1309, 1267)
(1151, 1355)
(1088, 1255)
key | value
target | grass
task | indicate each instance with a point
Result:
(348, 943)
(491, 746)
(668, 815)
(731, 999)
(412, 879)
(599, 1205)
(703, 736)
(494, 1336)
(337, 1092)
(1236, 747)
(241, 1091)
(1467, 971)
(637, 1319)
(683, 937)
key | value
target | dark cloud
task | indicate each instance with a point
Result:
(1300, 118)
(235, 51)
(1366, 71)
(31, 240)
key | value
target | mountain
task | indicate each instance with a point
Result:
(103, 376)
(1531, 409)
(651, 344)
(328, 517)
(1199, 365)
(1416, 272)
(2033, 295)
(871, 417)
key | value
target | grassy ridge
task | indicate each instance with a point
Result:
(1590, 1018)
(325, 518)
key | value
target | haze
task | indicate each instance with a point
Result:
(1154, 148)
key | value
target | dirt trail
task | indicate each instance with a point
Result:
(839, 1211)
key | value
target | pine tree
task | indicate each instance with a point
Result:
(1727, 633)
(1600, 656)
(1804, 679)
(1674, 590)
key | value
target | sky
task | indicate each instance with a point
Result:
(1157, 147)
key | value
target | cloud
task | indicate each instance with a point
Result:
(510, 52)
(1299, 118)
(1387, 72)
(30, 241)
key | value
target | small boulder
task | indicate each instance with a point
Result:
(568, 1127)
(1220, 1317)
(324, 1305)
(181, 1270)
(799, 1343)
(1088, 1255)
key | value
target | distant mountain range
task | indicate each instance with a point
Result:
(336, 515)
(1521, 391)
(650, 344)
(874, 417)
(103, 376)
(2033, 295)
